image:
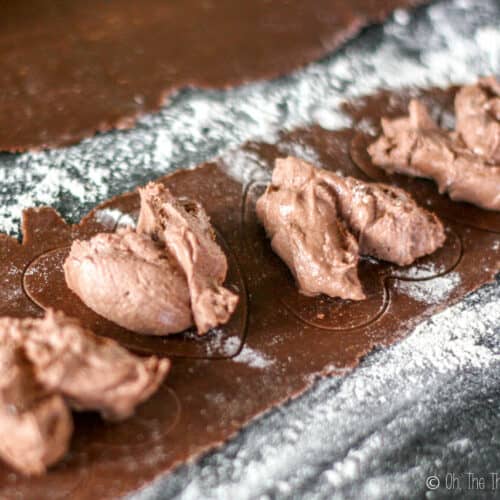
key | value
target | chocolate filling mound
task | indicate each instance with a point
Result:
(49, 364)
(319, 222)
(35, 423)
(186, 232)
(465, 163)
(156, 279)
(300, 216)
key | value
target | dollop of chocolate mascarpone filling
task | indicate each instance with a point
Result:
(301, 218)
(319, 223)
(52, 364)
(129, 278)
(477, 113)
(465, 163)
(35, 424)
(159, 278)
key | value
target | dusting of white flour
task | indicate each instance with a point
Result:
(247, 355)
(112, 217)
(427, 405)
(197, 126)
(431, 291)
(220, 345)
(423, 270)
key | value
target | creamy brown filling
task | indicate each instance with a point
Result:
(465, 163)
(186, 232)
(48, 365)
(320, 222)
(159, 278)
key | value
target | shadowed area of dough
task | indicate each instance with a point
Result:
(160, 278)
(319, 222)
(49, 364)
(464, 163)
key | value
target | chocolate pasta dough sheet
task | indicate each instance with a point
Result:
(277, 342)
(122, 59)
(437, 388)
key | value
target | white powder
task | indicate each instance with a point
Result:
(247, 355)
(253, 358)
(199, 125)
(245, 166)
(220, 344)
(430, 291)
(301, 151)
(422, 270)
(426, 405)
(376, 433)
(111, 217)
